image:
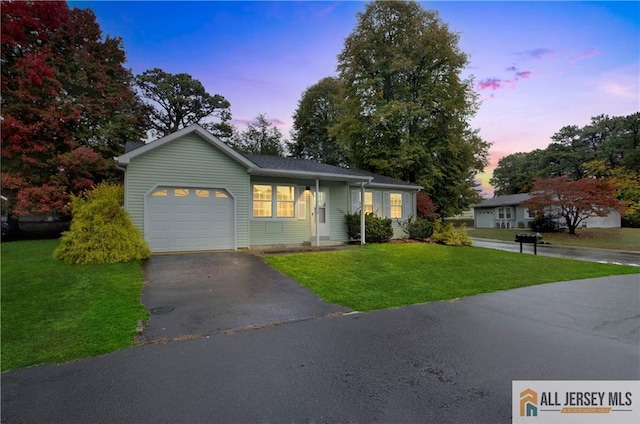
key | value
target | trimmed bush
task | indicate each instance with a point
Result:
(376, 229)
(417, 229)
(447, 234)
(545, 224)
(101, 231)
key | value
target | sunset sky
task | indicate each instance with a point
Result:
(537, 66)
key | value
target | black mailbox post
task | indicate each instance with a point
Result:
(529, 238)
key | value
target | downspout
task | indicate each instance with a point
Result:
(362, 226)
(317, 217)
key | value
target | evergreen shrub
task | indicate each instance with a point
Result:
(101, 230)
(417, 229)
(446, 233)
(376, 229)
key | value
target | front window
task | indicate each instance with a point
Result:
(262, 195)
(285, 202)
(505, 213)
(266, 205)
(368, 202)
(396, 205)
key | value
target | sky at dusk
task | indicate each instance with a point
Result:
(537, 66)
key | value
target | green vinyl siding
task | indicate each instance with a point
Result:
(188, 161)
(274, 231)
(279, 231)
(339, 197)
(382, 207)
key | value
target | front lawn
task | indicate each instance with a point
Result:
(54, 312)
(599, 238)
(380, 276)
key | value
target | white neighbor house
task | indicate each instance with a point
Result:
(506, 212)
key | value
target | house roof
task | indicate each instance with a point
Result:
(271, 165)
(293, 164)
(510, 200)
(383, 181)
(317, 168)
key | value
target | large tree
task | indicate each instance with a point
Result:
(627, 184)
(68, 105)
(573, 200)
(317, 112)
(177, 101)
(516, 172)
(260, 137)
(406, 107)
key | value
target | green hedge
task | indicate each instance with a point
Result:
(376, 229)
(417, 229)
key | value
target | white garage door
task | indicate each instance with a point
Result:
(484, 219)
(186, 219)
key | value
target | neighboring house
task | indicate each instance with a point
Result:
(506, 212)
(502, 212)
(189, 191)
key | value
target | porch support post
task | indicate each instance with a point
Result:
(316, 212)
(362, 228)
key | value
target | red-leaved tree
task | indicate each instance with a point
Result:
(68, 105)
(425, 207)
(573, 200)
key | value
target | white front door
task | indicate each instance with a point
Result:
(323, 212)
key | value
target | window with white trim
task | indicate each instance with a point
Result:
(395, 205)
(266, 205)
(505, 213)
(285, 201)
(368, 202)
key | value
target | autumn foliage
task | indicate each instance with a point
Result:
(425, 207)
(67, 104)
(573, 200)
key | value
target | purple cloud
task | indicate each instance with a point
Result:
(523, 75)
(511, 69)
(492, 84)
(538, 53)
(587, 55)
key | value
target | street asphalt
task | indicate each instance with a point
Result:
(579, 253)
(439, 362)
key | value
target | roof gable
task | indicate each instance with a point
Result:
(124, 159)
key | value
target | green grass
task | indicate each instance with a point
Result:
(53, 312)
(380, 276)
(602, 238)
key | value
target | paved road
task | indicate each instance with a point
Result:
(584, 254)
(441, 362)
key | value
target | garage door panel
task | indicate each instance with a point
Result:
(196, 219)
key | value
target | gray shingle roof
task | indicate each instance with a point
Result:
(132, 145)
(291, 164)
(305, 165)
(512, 199)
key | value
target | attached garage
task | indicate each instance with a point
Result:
(189, 219)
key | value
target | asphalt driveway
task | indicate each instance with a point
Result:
(202, 294)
